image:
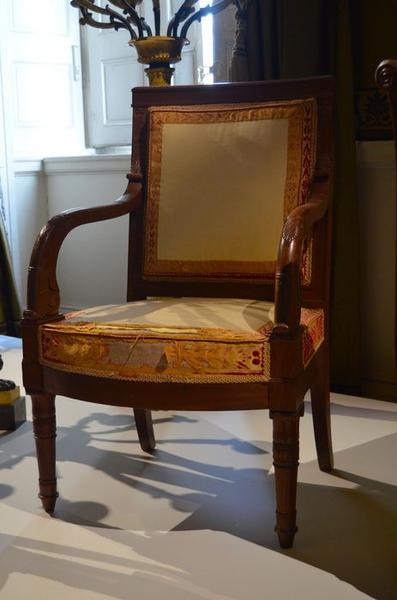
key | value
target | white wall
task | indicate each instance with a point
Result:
(30, 213)
(41, 111)
(93, 261)
(39, 45)
(377, 181)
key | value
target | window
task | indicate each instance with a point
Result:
(39, 45)
(111, 69)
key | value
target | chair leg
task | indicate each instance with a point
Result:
(285, 461)
(44, 428)
(321, 411)
(144, 427)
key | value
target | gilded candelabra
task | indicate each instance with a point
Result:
(157, 51)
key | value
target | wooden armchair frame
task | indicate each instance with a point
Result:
(283, 395)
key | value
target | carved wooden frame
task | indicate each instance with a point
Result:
(283, 395)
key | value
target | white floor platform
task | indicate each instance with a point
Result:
(195, 519)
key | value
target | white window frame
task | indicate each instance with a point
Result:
(104, 92)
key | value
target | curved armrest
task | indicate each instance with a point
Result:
(296, 229)
(43, 291)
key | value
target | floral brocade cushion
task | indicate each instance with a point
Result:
(184, 340)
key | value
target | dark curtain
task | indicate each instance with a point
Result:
(279, 39)
(10, 312)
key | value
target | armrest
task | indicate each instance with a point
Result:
(43, 291)
(296, 229)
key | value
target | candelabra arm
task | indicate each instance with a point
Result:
(203, 12)
(117, 21)
(181, 15)
(156, 11)
(157, 51)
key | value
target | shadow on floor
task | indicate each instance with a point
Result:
(347, 521)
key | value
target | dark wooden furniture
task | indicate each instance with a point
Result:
(307, 226)
(386, 78)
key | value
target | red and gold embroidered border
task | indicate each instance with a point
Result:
(153, 353)
(313, 336)
(133, 351)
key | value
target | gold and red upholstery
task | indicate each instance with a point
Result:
(258, 161)
(188, 340)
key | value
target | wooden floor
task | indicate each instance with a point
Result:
(195, 519)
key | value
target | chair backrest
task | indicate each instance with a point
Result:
(223, 166)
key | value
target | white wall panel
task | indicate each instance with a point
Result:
(111, 71)
(49, 110)
(6, 173)
(377, 189)
(118, 76)
(186, 71)
(40, 111)
(39, 16)
(41, 74)
(92, 267)
(30, 213)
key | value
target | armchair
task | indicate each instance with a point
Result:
(228, 276)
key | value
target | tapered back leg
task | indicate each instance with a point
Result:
(321, 411)
(144, 427)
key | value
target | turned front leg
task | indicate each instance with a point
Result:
(44, 428)
(285, 461)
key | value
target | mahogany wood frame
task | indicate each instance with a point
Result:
(283, 395)
(386, 78)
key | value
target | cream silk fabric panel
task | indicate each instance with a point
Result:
(224, 313)
(221, 180)
(222, 191)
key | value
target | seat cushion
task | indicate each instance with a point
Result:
(188, 340)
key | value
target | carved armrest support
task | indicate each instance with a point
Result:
(43, 291)
(296, 230)
(386, 74)
(386, 78)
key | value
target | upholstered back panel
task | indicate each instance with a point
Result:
(221, 180)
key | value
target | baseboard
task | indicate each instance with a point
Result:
(379, 390)
(348, 390)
